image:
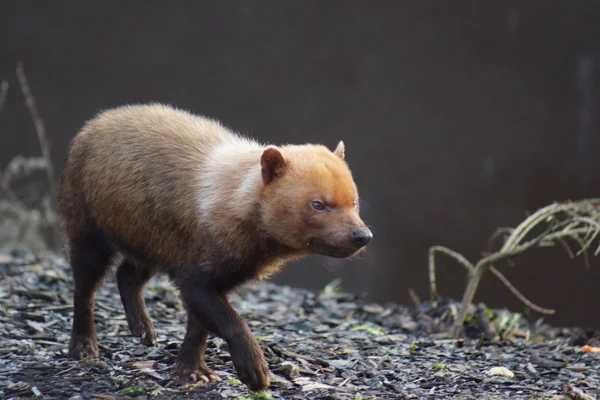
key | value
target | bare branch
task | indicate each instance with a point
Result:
(578, 221)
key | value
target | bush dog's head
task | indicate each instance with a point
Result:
(309, 200)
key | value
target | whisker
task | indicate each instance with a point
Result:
(330, 268)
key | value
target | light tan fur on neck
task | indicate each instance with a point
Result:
(229, 182)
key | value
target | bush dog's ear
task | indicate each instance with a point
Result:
(272, 163)
(340, 150)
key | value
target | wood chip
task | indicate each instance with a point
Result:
(145, 364)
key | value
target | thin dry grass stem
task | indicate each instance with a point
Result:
(3, 94)
(504, 231)
(578, 221)
(415, 298)
(40, 130)
(519, 295)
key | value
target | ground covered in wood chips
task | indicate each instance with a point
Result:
(326, 345)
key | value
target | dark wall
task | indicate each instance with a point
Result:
(458, 117)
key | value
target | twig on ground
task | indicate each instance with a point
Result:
(415, 299)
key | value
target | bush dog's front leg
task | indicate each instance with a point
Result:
(214, 312)
(191, 361)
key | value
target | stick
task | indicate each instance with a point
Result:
(40, 130)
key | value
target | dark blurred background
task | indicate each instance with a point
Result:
(458, 117)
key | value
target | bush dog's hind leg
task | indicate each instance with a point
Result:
(131, 279)
(191, 356)
(90, 256)
(214, 312)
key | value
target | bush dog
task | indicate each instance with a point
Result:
(152, 188)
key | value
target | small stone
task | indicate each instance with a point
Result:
(289, 369)
(530, 367)
(18, 386)
(277, 380)
(373, 309)
(387, 339)
(36, 326)
(502, 371)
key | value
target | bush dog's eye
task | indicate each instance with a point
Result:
(317, 205)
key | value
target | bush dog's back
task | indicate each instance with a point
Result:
(156, 189)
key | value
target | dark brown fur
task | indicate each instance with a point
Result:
(129, 194)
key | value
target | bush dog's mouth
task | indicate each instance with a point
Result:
(325, 249)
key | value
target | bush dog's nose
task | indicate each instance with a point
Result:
(362, 236)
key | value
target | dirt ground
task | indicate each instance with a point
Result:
(327, 345)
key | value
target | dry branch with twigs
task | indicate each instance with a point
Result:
(557, 223)
(18, 219)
